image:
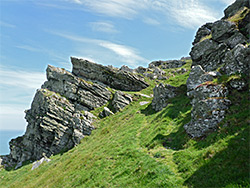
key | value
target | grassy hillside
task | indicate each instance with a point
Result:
(141, 148)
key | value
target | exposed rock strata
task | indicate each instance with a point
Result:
(115, 78)
(120, 101)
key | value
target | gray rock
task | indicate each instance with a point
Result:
(198, 76)
(237, 61)
(144, 103)
(126, 68)
(235, 7)
(208, 54)
(120, 101)
(238, 84)
(88, 95)
(161, 95)
(140, 70)
(117, 79)
(167, 64)
(158, 71)
(106, 112)
(222, 30)
(203, 31)
(52, 126)
(209, 107)
(41, 161)
(235, 39)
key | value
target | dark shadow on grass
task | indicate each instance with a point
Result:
(229, 167)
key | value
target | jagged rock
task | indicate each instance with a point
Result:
(235, 39)
(237, 61)
(158, 71)
(112, 77)
(126, 68)
(208, 54)
(106, 112)
(167, 64)
(150, 75)
(140, 70)
(198, 76)
(203, 31)
(41, 161)
(244, 26)
(222, 30)
(120, 100)
(54, 126)
(235, 7)
(161, 95)
(88, 95)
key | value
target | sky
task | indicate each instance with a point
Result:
(35, 33)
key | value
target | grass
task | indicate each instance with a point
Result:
(138, 147)
(240, 15)
(206, 37)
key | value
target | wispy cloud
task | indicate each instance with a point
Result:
(5, 24)
(28, 48)
(20, 78)
(106, 27)
(127, 54)
(186, 13)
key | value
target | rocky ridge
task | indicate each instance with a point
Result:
(59, 116)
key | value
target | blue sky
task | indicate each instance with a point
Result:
(110, 32)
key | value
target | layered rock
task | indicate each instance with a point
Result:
(161, 95)
(106, 112)
(115, 78)
(120, 101)
(54, 126)
(86, 95)
(167, 64)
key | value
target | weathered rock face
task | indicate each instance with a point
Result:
(87, 95)
(120, 101)
(224, 52)
(161, 95)
(167, 64)
(117, 79)
(54, 125)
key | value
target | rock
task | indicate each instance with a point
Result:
(167, 64)
(198, 76)
(140, 70)
(54, 126)
(106, 112)
(237, 61)
(143, 103)
(203, 31)
(158, 71)
(126, 68)
(161, 95)
(238, 84)
(120, 100)
(89, 95)
(117, 79)
(208, 54)
(235, 7)
(235, 39)
(38, 163)
(222, 30)
(143, 95)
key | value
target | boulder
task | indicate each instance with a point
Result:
(222, 30)
(106, 112)
(85, 94)
(36, 164)
(120, 101)
(115, 78)
(126, 68)
(167, 64)
(161, 95)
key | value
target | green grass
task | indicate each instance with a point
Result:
(240, 15)
(138, 147)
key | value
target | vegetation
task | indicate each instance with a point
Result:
(141, 148)
(240, 15)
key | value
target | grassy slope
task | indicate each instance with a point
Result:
(140, 148)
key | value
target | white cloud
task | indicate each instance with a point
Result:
(20, 78)
(5, 24)
(106, 27)
(185, 13)
(28, 48)
(227, 2)
(127, 54)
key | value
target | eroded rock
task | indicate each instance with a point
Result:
(120, 101)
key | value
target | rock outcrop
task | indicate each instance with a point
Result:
(161, 95)
(112, 77)
(120, 101)
(106, 112)
(220, 49)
